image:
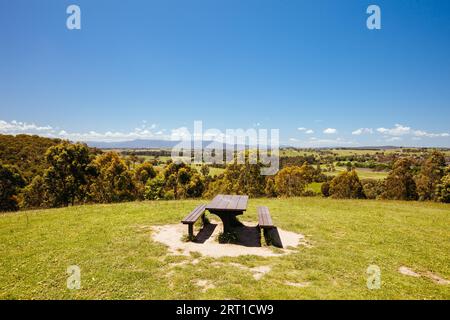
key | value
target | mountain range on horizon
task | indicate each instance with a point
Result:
(167, 144)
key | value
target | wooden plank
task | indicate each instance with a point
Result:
(264, 218)
(228, 203)
(194, 214)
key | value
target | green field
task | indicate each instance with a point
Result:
(118, 259)
(362, 173)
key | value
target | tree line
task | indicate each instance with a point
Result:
(72, 173)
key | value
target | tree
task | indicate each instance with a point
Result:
(204, 170)
(34, 194)
(67, 173)
(154, 189)
(373, 188)
(270, 188)
(400, 183)
(292, 181)
(346, 186)
(114, 182)
(11, 181)
(431, 173)
(142, 174)
(443, 189)
(196, 186)
(325, 189)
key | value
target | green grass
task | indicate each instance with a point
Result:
(315, 187)
(112, 245)
(363, 173)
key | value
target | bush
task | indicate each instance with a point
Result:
(346, 186)
(154, 189)
(443, 190)
(400, 183)
(292, 181)
(431, 173)
(373, 189)
(11, 181)
(34, 195)
(325, 189)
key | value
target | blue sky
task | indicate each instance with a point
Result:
(143, 68)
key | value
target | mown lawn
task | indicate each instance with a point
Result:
(112, 245)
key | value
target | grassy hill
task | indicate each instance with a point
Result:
(118, 259)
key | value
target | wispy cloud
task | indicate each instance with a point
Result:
(143, 132)
(305, 130)
(361, 131)
(401, 130)
(330, 131)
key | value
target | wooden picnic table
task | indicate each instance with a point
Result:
(227, 208)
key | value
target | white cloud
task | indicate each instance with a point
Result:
(14, 127)
(361, 131)
(17, 127)
(330, 131)
(398, 130)
(305, 130)
(401, 130)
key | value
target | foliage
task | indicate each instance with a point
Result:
(154, 189)
(10, 182)
(443, 189)
(400, 183)
(142, 173)
(431, 172)
(35, 195)
(68, 173)
(346, 186)
(373, 188)
(26, 152)
(292, 180)
(113, 181)
(325, 189)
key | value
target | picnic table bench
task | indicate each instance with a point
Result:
(264, 218)
(192, 217)
(270, 231)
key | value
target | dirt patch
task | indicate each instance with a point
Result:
(258, 272)
(408, 272)
(297, 284)
(206, 241)
(434, 277)
(205, 285)
(437, 279)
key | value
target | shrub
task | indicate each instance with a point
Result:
(292, 181)
(11, 181)
(34, 195)
(373, 188)
(399, 184)
(431, 172)
(325, 189)
(346, 186)
(443, 189)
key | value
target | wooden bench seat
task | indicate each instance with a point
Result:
(270, 231)
(264, 218)
(192, 217)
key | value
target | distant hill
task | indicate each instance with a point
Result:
(150, 144)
